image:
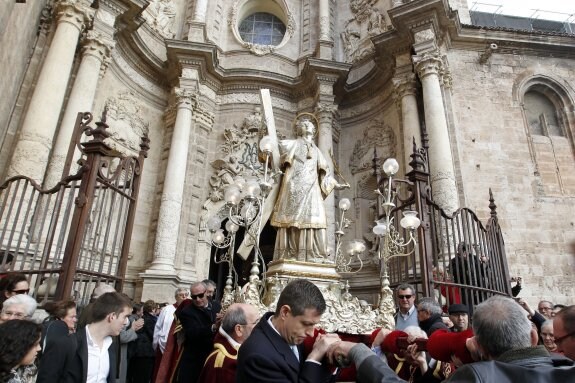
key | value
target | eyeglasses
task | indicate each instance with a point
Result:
(545, 308)
(14, 315)
(559, 339)
(404, 296)
(25, 291)
(198, 296)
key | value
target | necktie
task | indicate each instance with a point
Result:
(295, 351)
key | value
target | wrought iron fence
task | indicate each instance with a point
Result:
(69, 238)
(457, 259)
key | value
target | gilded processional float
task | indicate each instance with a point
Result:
(262, 177)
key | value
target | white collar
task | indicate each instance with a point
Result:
(234, 344)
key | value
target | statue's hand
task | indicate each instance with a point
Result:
(342, 186)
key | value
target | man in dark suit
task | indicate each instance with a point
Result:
(273, 352)
(199, 324)
(81, 356)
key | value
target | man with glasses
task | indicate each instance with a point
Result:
(237, 325)
(545, 308)
(198, 321)
(407, 314)
(564, 331)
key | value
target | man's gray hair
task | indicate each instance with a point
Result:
(405, 286)
(198, 283)
(181, 290)
(415, 331)
(501, 325)
(234, 316)
(430, 305)
(27, 301)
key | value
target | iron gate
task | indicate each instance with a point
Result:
(69, 238)
(457, 259)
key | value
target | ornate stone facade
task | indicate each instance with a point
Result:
(378, 75)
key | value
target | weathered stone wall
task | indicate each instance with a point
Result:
(492, 144)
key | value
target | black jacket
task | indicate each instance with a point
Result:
(65, 360)
(533, 365)
(265, 357)
(142, 347)
(197, 325)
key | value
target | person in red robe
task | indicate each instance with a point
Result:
(236, 327)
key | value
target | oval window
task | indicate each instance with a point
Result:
(263, 29)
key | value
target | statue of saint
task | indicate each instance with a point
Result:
(299, 214)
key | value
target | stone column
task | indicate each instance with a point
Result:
(96, 50)
(197, 23)
(405, 92)
(444, 188)
(39, 126)
(172, 194)
(200, 11)
(324, 112)
(325, 43)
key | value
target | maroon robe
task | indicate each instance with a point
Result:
(221, 364)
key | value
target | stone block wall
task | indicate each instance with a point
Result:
(492, 146)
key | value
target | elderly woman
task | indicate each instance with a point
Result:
(18, 307)
(547, 336)
(19, 345)
(60, 322)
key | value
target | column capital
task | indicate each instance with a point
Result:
(325, 110)
(404, 85)
(184, 98)
(97, 45)
(74, 12)
(427, 64)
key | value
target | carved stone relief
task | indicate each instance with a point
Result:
(124, 116)
(368, 21)
(160, 15)
(378, 135)
(239, 155)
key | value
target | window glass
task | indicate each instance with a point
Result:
(263, 29)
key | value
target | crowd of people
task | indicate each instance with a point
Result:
(191, 340)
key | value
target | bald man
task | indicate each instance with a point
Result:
(237, 325)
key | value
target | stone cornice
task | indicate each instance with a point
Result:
(203, 58)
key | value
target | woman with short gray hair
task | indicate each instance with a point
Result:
(19, 306)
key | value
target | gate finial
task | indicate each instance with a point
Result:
(492, 205)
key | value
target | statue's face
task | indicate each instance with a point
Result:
(307, 127)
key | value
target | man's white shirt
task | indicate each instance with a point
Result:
(98, 359)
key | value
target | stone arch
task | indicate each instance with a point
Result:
(550, 137)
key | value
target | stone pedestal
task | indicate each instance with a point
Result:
(319, 273)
